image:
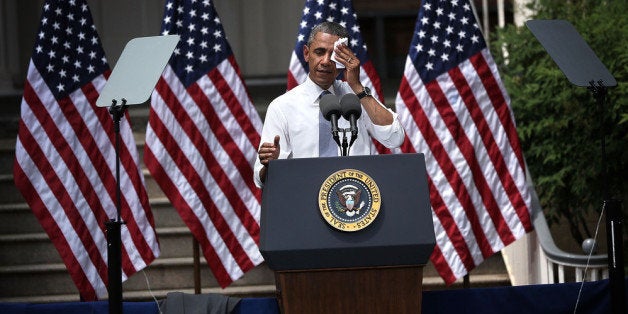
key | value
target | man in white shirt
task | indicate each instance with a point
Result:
(291, 126)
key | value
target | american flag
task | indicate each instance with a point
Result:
(65, 156)
(456, 111)
(342, 12)
(202, 139)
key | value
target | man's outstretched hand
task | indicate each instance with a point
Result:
(266, 153)
(269, 151)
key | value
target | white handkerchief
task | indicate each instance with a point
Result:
(340, 41)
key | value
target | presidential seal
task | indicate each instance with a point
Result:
(349, 200)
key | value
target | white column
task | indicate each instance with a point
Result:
(550, 271)
(594, 274)
(501, 14)
(524, 261)
(522, 13)
(579, 272)
(485, 18)
(544, 266)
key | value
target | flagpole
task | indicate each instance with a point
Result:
(197, 266)
(114, 254)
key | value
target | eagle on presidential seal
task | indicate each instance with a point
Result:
(349, 197)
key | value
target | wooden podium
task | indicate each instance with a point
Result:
(320, 269)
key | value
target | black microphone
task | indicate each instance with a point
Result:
(351, 110)
(330, 108)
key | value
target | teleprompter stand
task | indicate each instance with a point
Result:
(131, 82)
(583, 68)
(320, 269)
(114, 226)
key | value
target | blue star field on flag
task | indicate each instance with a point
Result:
(445, 34)
(203, 43)
(67, 49)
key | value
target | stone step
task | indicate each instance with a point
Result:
(175, 242)
(35, 280)
(259, 282)
(22, 238)
(7, 154)
(9, 193)
(166, 274)
(261, 96)
(176, 274)
(250, 291)
(17, 217)
(28, 258)
(36, 248)
(150, 295)
(9, 116)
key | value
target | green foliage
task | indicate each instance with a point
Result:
(560, 124)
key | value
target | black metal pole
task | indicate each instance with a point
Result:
(114, 238)
(612, 208)
(615, 245)
(345, 144)
(466, 282)
(115, 266)
(197, 266)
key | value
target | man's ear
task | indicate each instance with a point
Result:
(306, 53)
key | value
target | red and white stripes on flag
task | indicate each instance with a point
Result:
(456, 111)
(65, 154)
(202, 139)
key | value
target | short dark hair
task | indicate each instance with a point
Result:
(332, 28)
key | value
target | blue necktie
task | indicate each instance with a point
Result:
(326, 145)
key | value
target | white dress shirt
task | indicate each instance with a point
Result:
(294, 116)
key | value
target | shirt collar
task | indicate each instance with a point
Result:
(313, 91)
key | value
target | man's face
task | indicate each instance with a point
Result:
(318, 56)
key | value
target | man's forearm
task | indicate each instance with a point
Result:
(379, 114)
(262, 174)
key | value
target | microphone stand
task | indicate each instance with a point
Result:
(334, 135)
(345, 145)
(114, 237)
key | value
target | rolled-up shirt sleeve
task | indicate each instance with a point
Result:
(391, 136)
(274, 124)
